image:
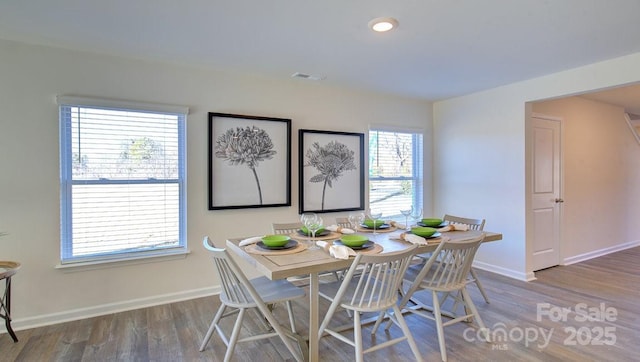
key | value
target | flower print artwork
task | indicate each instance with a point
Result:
(249, 161)
(331, 172)
(331, 161)
(245, 146)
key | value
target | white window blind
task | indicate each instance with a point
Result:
(122, 180)
(395, 171)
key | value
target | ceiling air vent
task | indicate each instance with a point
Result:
(307, 76)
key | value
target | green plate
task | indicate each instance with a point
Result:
(432, 222)
(371, 223)
(353, 240)
(423, 231)
(275, 240)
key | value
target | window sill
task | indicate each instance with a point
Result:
(114, 263)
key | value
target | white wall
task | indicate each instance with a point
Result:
(487, 175)
(31, 77)
(601, 173)
(478, 171)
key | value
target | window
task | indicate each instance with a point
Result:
(122, 179)
(395, 171)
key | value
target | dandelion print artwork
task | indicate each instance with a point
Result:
(331, 161)
(245, 146)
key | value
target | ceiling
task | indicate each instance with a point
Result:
(441, 48)
(627, 97)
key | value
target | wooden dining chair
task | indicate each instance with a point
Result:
(286, 228)
(445, 272)
(240, 294)
(370, 285)
(343, 222)
(473, 224)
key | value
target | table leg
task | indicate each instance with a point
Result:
(313, 317)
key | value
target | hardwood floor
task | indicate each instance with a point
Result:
(173, 332)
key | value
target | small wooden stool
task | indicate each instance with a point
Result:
(7, 269)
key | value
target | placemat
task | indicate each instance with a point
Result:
(299, 237)
(374, 249)
(435, 240)
(255, 249)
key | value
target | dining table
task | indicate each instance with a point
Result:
(313, 262)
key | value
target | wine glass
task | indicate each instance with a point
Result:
(313, 225)
(416, 214)
(407, 213)
(375, 215)
(307, 215)
(356, 219)
(306, 219)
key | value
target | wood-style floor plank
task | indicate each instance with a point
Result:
(173, 332)
(100, 344)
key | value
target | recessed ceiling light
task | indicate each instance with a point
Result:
(381, 25)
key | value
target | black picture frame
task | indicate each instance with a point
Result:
(331, 171)
(249, 161)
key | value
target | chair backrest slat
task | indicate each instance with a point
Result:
(473, 224)
(361, 287)
(450, 264)
(286, 228)
(377, 284)
(236, 288)
(343, 222)
(232, 285)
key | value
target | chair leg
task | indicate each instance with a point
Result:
(357, 337)
(440, 328)
(457, 300)
(303, 344)
(474, 311)
(281, 332)
(388, 325)
(234, 336)
(261, 318)
(407, 333)
(479, 285)
(327, 317)
(291, 318)
(378, 322)
(212, 327)
(401, 306)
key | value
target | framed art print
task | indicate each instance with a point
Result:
(249, 161)
(331, 171)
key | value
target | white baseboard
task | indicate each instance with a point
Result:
(530, 276)
(82, 313)
(503, 271)
(600, 252)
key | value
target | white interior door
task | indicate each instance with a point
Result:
(546, 200)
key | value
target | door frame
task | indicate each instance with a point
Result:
(529, 272)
